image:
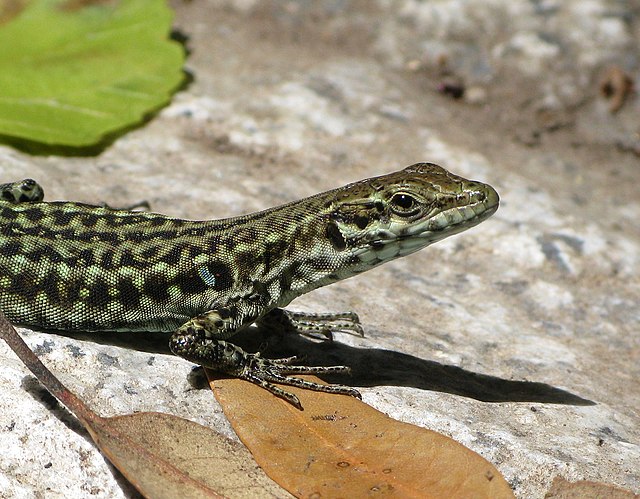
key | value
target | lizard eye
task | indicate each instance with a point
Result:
(403, 203)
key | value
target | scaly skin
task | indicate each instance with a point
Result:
(71, 266)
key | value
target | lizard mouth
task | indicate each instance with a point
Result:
(457, 218)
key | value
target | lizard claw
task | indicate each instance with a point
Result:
(264, 372)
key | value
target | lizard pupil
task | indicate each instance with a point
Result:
(403, 201)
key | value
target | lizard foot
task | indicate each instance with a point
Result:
(192, 344)
(316, 326)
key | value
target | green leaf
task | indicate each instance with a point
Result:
(73, 72)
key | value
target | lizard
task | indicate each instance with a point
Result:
(70, 266)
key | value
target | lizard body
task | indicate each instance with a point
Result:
(72, 266)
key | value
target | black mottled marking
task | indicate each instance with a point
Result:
(246, 260)
(21, 284)
(273, 252)
(361, 221)
(36, 231)
(138, 236)
(71, 234)
(11, 248)
(173, 256)
(89, 219)
(99, 294)
(194, 251)
(259, 293)
(156, 287)
(212, 244)
(128, 259)
(294, 246)
(223, 312)
(127, 218)
(149, 252)
(285, 280)
(107, 237)
(196, 231)
(107, 259)
(73, 287)
(379, 206)
(294, 269)
(8, 214)
(190, 282)
(157, 221)
(113, 221)
(229, 243)
(335, 237)
(34, 214)
(222, 274)
(320, 262)
(86, 256)
(128, 293)
(62, 218)
(64, 235)
(47, 254)
(49, 285)
(51, 254)
(168, 235)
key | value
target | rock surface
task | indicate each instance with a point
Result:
(292, 98)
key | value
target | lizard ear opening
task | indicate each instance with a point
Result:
(335, 236)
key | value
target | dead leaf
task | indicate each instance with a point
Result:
(167, 456)
(341, 447)
(584, 489)
(615, 85)
(163, 456)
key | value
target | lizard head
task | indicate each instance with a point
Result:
(386, 217)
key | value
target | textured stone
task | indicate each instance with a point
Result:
(291, 98)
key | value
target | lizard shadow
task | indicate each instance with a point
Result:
(378, 367)
(369, 366)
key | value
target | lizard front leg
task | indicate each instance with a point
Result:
(200, 341)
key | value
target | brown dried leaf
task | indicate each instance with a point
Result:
(339, 446)
(615, 85)
(584, 489)
(167, 456)
(163, 456)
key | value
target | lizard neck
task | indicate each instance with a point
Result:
(285, 252)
